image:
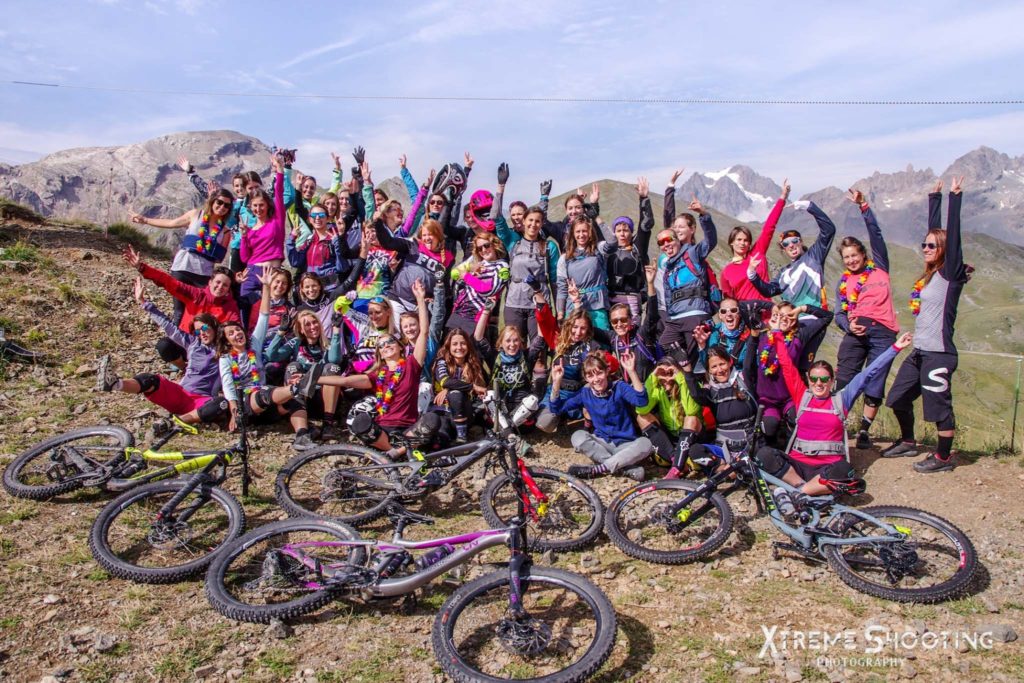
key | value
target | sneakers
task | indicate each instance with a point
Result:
(331, 432)
(303, 443)
(933, 463)
(635, 473)
(587, 471)
(106, 378)
(863, 440)
(900, 449)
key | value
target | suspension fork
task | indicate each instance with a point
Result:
(199, 479)
(532, 490)
(517, 566)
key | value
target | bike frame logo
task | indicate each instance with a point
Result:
(873, 640)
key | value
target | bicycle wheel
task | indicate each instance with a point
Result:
(339, 482)
(572, 518)
(131, 541)
(567, 634)
(640, 524)
(936, 562)
(42, 472)
(253, 580)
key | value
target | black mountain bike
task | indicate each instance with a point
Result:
(356, 485)
(523, 622)
(891, 552)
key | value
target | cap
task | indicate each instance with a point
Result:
(624, 219)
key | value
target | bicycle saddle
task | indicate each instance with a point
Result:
(397, 513)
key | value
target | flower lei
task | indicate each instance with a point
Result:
(848, 299)
(254, 371)
(767, 368)
(207, 235)
(915, 297)
(386, 386)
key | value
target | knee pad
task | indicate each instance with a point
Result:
(424, 431)
(331, 369)
(547, 421)
(663, 450)
(364, 428)
(770, 425)
(872, 401)
(148, 383)
(947, 423)
(292, 369)
(772, 461)
(212, 409)
(263, 398)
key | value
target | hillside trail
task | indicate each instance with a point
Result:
(63, 618)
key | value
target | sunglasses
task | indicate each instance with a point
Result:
(723, 311)
(620, 321)
(790, 241)
(929, 245)
(819, 379)
(317, 214)
(203, 328)
(436, 202)
(484, 245)
(665, 240)
(222, 202)
(387, 341)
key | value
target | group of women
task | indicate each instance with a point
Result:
(343, 305)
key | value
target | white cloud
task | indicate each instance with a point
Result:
(319, 51)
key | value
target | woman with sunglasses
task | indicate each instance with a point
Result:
(241, 360)
(194, 399)
(363, 331)
(424, 260)
(817, 457)
(687, 291)
(215, 298)
(393, 381)
(582, 269)
(626, 263)
(640, 340)
(865, 313)
(244, 186)
(479, 281)
(731, 332)
(671, 418)
(803, 280)
(933, 301)
(321, 254)
(204, 244)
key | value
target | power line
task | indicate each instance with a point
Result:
(553, 100)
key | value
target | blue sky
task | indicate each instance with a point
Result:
(573, 48)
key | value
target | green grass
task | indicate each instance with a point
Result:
(200, 649)
(19, 513)
(22, 252)
(9, 622)
(279, 661)
(135, 237)
(98, 575)
(966, 606)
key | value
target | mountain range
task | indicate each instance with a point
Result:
(102, 184)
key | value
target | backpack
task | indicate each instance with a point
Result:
(707, 276)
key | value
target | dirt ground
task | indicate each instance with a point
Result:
(64, 618)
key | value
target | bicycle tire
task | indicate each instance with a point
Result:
(562, 602)
(636, 523)
(126, 553)
(567, 525)
(305, 480)
(246, 558)
(21, 466)
(963, 559)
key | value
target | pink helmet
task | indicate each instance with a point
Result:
(481, 202)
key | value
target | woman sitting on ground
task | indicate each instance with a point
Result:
(575, 343)
(243, 379)
(614, 446)
(459, 379)
(195, 398)
(214, 299)
(671, 418)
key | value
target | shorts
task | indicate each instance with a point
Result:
(776, 462)
(856, 352)
(170, 396)
(928, 374)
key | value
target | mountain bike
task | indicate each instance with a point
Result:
(102, 456)
(523, 622)
(169, 529)
(356, 485)
(891, 552)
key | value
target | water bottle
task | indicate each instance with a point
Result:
(434, 556)
(527, 408)
(394, 563)
(784, 502)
